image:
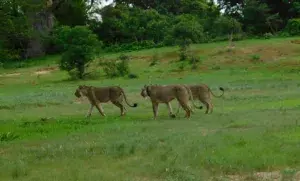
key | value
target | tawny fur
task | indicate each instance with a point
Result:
(203, 93)
(98, 95)
(165, 94)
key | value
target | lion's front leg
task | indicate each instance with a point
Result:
(155, 109)
(89, 113)
(100, 109)
(172, 115)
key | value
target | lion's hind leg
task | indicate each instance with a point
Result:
(121, 106)
(186, 107)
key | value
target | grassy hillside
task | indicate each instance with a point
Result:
(253, 133)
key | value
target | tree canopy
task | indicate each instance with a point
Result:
(27, 26)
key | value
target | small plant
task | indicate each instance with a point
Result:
(255, 58)
(268, 35)
(154, 60)
(123, 65)
(288, 174)
(133, 76)
(19, 170)
(194, 61)
(9, 136)
(184, 46)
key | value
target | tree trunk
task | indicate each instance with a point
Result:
(42, 24)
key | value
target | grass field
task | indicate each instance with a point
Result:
(253, 133)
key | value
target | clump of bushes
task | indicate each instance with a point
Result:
(293, 26)
(186, 57)
(118, 67)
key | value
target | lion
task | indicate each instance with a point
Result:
(203, 93)
(165, 94)
(97, 95)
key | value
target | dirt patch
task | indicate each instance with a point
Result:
(260, 176)
(170, 56)
(45, 70)
(10, 75)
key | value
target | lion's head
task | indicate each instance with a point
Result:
(82, 90)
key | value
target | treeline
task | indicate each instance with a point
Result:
(28, 27)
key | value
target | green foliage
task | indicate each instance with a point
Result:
(268, 35)
(194, 61)
(187, 28)
(251, 11)
(293, 27)
(255, 58)
(226, 25)
(184, 46)
(154, 60)
(72, 13)
(15, 28)
(145, 44)
(117, 67)
(9, 136)
(79, 45)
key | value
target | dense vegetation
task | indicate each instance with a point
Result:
(27, 27)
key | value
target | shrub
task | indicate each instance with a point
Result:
(194, 62)
(79, 47)
(223, 26)
(133, 76)
(117, 68)
(293, 27)
(268, 35)
(184, 46)
(255, 58)
(186, 27)
(154, 60)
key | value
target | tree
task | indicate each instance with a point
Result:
(79, 45)
(187, 28)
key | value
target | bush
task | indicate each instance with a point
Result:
(194, 62)
(293, 27)
(226, 25)
(255, 58)
(187, 27)
(133, 76)
(134, 46)
(117, 68)
(79, 46)
(268, 35)
(154, 60)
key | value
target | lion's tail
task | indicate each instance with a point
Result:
(221, 89)
(134, 104)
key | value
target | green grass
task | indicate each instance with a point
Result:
(253, 131)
